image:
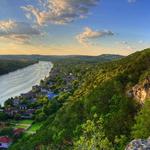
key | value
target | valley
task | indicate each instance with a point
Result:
(84, 105)
(74, 75)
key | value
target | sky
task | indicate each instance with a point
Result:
(74, 27)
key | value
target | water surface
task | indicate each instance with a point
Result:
(21, 81)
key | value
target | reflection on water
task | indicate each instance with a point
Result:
(22, 80)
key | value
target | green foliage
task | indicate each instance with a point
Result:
(98, 88)
(120, 142)
(3, 116)
(141, 128)
(7, 66)
(6, 131)
(93, 137)
(119, 119)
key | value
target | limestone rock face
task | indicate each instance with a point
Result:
(139, 144)
(140, 91)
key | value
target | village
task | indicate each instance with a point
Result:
(19, 113)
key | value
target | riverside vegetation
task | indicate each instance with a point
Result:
(92, 109)
(9, 65)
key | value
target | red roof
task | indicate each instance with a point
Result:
(5, 139)
(18, 131)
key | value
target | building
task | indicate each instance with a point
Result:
(10, 111)
(51, 95)
(5, 142)
(23, 107)
(16, 102)
(17, 132)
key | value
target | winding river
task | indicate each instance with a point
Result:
(21, 81)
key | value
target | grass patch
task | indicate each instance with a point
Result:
(21, 124)
(25, 122)
(34, 127)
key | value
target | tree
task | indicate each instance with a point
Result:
(17, 116)
(141, 128)
(3, 116)
(93, 137)
(120, 142)
(6, 131)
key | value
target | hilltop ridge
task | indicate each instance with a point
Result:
(100, 58)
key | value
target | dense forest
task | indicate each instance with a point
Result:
(7, 66)
(96, 113)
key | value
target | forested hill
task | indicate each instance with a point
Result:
(7, 66)
(96, 113)
(100, 58)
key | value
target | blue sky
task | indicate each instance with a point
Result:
(86, 27)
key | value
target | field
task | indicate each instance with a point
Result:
(28, 125)
(34, 127)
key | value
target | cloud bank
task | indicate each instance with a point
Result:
(20, 32)
(89, 34)
(59, 11)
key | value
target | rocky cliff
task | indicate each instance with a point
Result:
(140, 91)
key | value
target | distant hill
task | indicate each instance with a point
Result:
(100, 58)
(7, 65)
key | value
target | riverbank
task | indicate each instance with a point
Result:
(8, 66)
(21, 81)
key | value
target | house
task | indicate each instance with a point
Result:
(32, 100)
(5, 142)
(51, 95)
(23, 107)
(43, 91)
(28, 95)
(16, 102)
(10, 111)
(17, 132)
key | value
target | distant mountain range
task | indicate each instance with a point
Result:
(100, 58)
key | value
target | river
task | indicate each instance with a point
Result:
(21, 81)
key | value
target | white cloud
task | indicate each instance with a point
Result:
(88, 34)
(7, 25)
(60, 11)
(19, 32)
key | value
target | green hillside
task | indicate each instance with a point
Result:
(96, 114)
(7, 66)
